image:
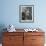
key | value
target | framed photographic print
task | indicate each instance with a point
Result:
(26, 13)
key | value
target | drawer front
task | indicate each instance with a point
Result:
(37, 39)
(34, 33)
(13, 33)
(12, 39)
(8, 44)
(12, 44)
(37, 44)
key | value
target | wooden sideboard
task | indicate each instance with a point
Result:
(23, 38)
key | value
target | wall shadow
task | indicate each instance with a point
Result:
(2, 29)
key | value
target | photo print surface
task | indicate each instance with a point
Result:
(26, 13)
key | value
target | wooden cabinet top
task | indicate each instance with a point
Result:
(22, 30)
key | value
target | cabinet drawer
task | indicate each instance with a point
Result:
(13, 33)
(14, 44)
(37, 44)
(8, 45)
(34, 33)
(37, 39)
(12, 39)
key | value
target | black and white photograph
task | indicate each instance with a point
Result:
(26, 13)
